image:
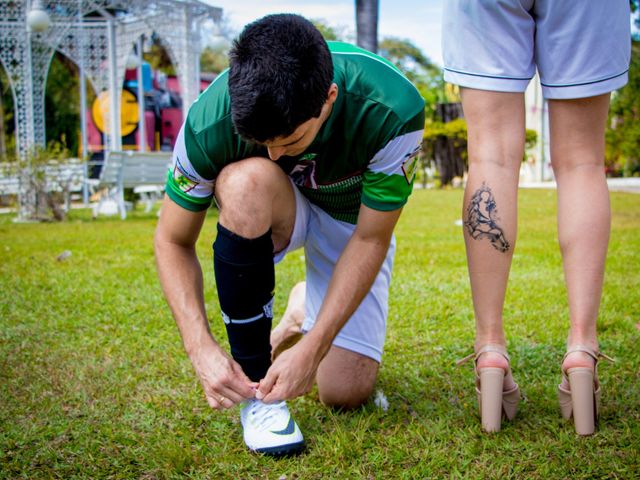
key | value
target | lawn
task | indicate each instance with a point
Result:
(94, 382)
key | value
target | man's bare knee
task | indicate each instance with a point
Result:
(244, 178)
(346, 379)
(346, 399)
(254, 195)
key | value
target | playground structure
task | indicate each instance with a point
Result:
(163, 113)
(101, 37)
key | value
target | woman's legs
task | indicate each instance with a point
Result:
(577, 154)
(496, 125)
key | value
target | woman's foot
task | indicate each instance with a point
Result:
(496, 360)
(579, 392)
(575, 360)
(498, 395)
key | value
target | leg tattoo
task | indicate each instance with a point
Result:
(481, 219)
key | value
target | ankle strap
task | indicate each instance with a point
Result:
(489, 347)
(595, 354)
(494, 348)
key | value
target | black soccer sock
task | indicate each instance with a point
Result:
(245, 277)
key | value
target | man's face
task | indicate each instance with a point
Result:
(303, 136)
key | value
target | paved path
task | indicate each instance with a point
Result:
(629, 185)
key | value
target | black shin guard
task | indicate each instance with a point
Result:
(245, 277)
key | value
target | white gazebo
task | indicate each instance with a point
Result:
(98, 36)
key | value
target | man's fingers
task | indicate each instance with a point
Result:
(232, 395)
(275, 395)
(226, 399)
(283, 392)
(228, 391)
(243, 384)
(213, 403)
(266, 384)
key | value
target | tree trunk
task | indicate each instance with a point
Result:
(448, 154)
(367, 24)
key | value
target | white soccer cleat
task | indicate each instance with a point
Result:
(269, 428)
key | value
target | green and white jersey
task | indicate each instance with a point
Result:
(365, 152)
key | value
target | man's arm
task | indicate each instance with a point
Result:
(222, 379)
(293, 372)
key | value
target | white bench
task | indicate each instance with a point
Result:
(9, 179)
(144, 172)
(67, 177)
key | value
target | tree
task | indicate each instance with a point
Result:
(367, 24)
(62, 103)
(7, 125)
(328, 32)
(158, 58)
(423, 73)
(408, 58)
(623, 132)
(445, 145)
(214, 58)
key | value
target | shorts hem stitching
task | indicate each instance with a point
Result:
(551, 85)
(486, 76)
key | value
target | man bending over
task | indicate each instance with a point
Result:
(308, 145)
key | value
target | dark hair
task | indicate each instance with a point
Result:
(279, 77)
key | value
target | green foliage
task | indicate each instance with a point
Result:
(455, 132)
(214, 58)
(62, 104)
(54, 151)
(94, 382)
(328, 32)
(158, 57)
(409, 58)
(530, 138)
(425, 75)
(623, 132)
(46, 177)
(7, 122)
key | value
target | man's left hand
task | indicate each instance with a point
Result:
(291, 375)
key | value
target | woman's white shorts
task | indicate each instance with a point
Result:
(580, 48)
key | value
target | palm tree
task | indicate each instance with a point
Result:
(367, 24)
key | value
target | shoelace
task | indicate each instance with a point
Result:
(264, 416)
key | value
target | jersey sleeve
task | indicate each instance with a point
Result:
(388, 179)
(185, 185)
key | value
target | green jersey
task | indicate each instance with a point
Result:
(365, 152)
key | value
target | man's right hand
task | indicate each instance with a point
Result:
(223, 381)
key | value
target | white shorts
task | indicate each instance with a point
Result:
(324, 238)
(581, 49)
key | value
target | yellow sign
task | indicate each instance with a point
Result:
(100, 111)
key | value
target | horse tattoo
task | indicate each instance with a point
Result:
(481, 219)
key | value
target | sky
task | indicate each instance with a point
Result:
(415, 20)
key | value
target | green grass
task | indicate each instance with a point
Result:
(94, 382)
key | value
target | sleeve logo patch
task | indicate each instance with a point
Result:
(410, 165)
(184, 181)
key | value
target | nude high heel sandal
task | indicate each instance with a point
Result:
(493, 401)
(582, 399)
